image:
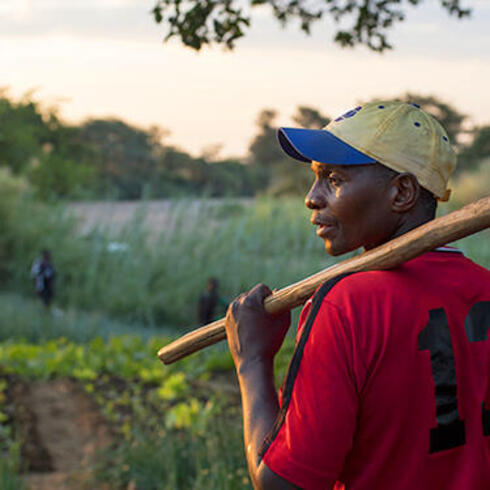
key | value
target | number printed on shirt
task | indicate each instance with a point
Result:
(436, 337)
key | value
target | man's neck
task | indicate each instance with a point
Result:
(410, 224)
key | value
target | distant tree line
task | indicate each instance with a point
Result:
(111, 159)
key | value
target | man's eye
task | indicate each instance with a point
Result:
(334, 180)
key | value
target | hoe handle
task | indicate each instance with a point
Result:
(458, 224)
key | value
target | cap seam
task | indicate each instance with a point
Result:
(384, 125)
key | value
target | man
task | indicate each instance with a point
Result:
(389, 385)
(209, 301)
(44, 273)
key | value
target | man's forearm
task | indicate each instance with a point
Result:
(260, 406)
(260, 409)
(254, 338)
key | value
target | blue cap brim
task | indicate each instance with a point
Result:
(318, 145)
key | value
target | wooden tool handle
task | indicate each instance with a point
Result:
(458, 224)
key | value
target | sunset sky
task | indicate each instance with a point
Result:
(102, 58)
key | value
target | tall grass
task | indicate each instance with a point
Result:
(28, 320)
(211, 461)
(10, 461)
(156, 278)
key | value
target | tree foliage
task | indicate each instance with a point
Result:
(109, 158)
(23, 132)
(264, 149)
(474, 154)
(310, 118)
(125, 156)
(203, 22)
(35, 143)
(278, 173)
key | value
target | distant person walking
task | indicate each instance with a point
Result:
(44, 273)
(209, 300)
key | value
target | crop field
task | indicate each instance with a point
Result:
(128, 421)
(84, 401)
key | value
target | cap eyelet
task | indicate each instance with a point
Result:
(416, 124)
(381, 107)
(415, 105)
(445, 138)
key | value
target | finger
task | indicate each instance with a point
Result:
(230, 313)
(236, 304)
(240, 298)
(259, 293)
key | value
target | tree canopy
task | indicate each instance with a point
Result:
(474, 154)
(367, 22)
(109, 158)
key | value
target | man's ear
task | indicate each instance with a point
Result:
(405, 192)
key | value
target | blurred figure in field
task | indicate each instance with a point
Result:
(209, 301)
(44, 273)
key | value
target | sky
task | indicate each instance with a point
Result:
(106, 58)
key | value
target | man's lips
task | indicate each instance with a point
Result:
(323, 226)
(324, 230)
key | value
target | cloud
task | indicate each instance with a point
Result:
(110, 19)
(428, 29)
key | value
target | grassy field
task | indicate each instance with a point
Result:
(152, 265)
(175, 426)
(268, 241)
(122, 291)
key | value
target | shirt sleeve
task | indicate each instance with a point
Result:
(319, 403)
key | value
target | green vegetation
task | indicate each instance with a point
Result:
(9, 446)
(111, 159)
(106, 158)
(157, 280)
(177, 426)
(10, 465)
(27, 320)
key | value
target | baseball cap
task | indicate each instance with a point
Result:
(399, 135)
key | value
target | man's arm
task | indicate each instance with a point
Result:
(254, 337)
(260, 409)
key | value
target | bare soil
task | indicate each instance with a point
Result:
(62, 431)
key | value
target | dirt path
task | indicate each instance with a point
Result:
(65, 431)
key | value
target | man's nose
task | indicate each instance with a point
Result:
(315, 199)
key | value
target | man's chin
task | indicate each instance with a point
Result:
(335, 250)
(332, 250)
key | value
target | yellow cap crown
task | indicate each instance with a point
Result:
(402, 137)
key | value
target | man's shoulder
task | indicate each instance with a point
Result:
(427, 272)
(357, 283)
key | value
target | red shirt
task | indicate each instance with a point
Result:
(389, 384)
